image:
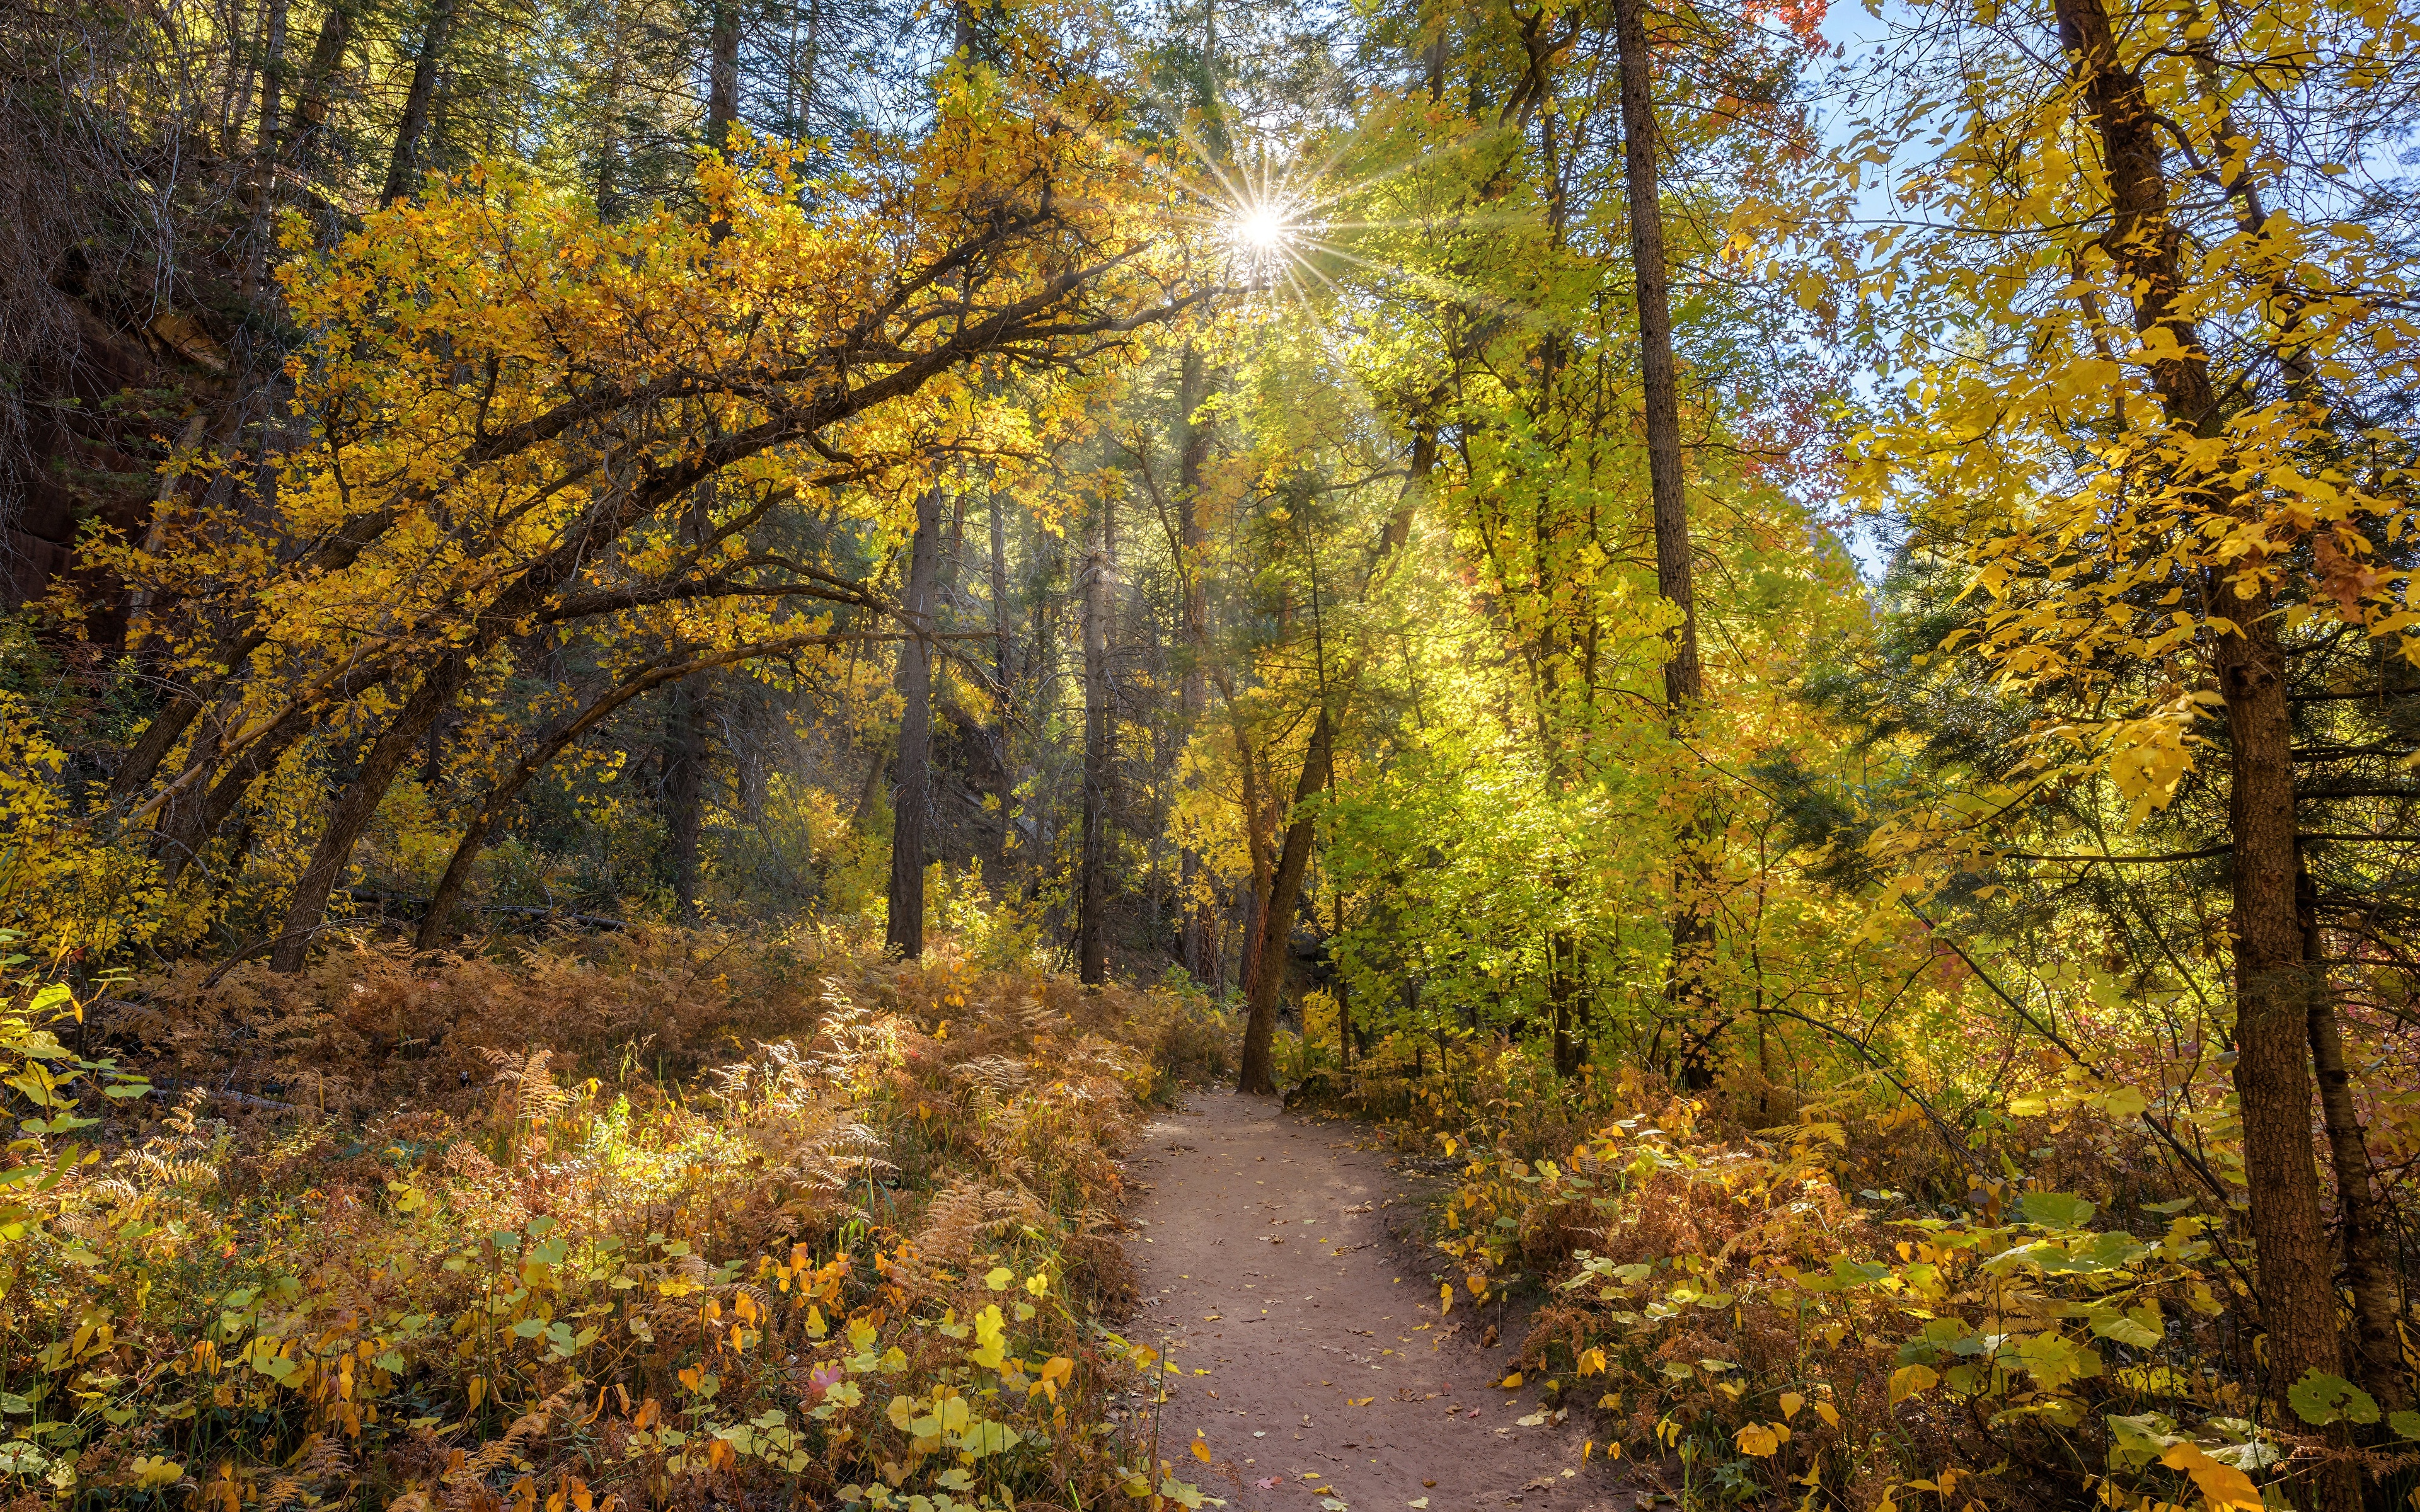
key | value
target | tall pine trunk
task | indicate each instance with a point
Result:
(1197, 934)
(904, 929)
(1692, 922)
(2376, 1341)
(1004, 690)
(2275, 988)
(1092, 935)
(419, 100)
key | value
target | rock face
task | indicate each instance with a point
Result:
(77, 460)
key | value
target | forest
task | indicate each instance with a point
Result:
(667, 666)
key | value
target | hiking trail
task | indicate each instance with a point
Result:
(1284, 1258)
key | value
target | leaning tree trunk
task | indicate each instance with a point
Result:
(904, 929)
(1259, 1073)
(358, 806)
(1256, 843)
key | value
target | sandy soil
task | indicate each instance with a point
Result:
(1283, 1260)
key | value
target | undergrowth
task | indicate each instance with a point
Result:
(655, 1219)
(1847, 1304)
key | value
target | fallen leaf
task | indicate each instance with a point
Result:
(1265, 1482)
(1359, 1401)
(1419, 1505)
(1508, 1383)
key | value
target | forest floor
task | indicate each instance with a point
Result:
(1282, 1258)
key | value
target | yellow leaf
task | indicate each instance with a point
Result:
(1759, 1440)
(1200, 1450)
(1911, 1381)
(1512, 1380)
(1790, 1403)
(2221, 1485)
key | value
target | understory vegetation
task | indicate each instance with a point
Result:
(654, 1219)
(1823, 1287)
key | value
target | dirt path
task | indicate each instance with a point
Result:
(1273, 1255)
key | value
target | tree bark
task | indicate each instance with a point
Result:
(403, 166)
(1256, 842)
(359, 803)
(1092, 936)
(2377, 1341)
(2274, 986)
(1198, 933)
(310, 119)
(904, 928)
(1344, 994)
(1002, 688)
(1259, 1073)
(262, 189)
(722, 76)
(1692, 924)
(538, 757)
(686, 715)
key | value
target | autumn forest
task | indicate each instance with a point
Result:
(673, 672)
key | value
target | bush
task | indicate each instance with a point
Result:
(664, 1217)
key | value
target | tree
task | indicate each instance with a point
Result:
(516, 273)
(2173, 496)
(912, 801)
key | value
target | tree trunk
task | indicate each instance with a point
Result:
(2376, 1342)
(1000, 669)
(722, 76)
(1092, 938)
(1563, 996)
(1692, 923)
(1256, 842)
(1259, 1075)
(261, 190)
(904, 931)
(1198, 933)
(311, 105)
(500, 797)
(403, 166)
(359, 804)
(2273, 985)
(1344, 994)
(686, 715)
